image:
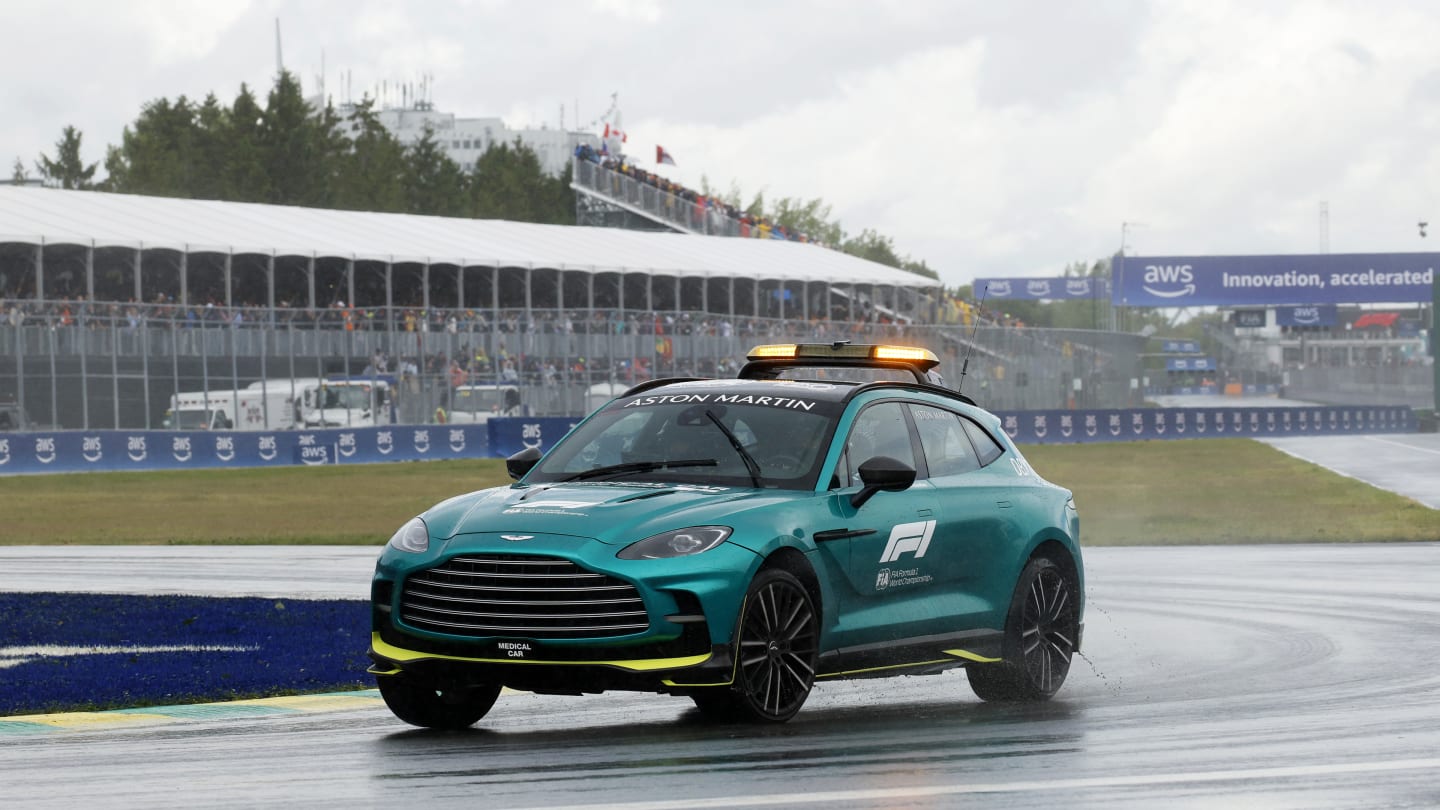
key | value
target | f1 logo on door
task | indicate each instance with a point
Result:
(908, 537)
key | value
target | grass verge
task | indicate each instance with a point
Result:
(1211, 491)
(1151, 493)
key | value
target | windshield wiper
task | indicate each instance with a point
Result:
(638, 467)
(750, 465)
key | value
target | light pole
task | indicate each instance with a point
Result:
(1120, 257)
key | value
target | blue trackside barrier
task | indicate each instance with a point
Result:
(1132, 424)
(110, 450)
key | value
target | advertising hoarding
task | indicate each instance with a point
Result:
(1230, 281)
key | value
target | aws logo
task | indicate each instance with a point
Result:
(999, 289)
(1077, 286)
(1173, 280)
(1306, 316)
(1039, 289)
(908, 537)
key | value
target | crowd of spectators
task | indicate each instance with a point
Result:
(165, 313)
(697, 211)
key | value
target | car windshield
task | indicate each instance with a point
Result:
(680, 441)
(193, 420)
(345, 396)
(478, 399)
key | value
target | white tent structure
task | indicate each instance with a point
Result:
(56, 243)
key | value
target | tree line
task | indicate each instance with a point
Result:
(287, 153)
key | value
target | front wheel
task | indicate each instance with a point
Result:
(775, 654)
(1041, 630)
(432, 705)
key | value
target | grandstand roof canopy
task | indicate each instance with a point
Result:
(31, 215)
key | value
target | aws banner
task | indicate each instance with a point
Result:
(1233, 281)
(1131, 424)
(510, 435)
(1038, 289)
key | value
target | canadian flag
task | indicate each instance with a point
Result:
(661, 156)
(615, 133)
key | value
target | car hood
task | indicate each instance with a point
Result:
(611, 513)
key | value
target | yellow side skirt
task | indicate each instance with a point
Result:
(965, 654)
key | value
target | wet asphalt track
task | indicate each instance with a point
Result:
(1272, 676)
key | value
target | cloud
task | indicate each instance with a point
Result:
(987, 139)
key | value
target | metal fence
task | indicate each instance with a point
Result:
(118, 366)
(1412, 385)
(645, 198)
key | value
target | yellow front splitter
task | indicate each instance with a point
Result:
(402, 656)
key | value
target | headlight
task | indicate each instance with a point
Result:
(413, 536)
(679, 543)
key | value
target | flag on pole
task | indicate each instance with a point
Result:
(661, 156)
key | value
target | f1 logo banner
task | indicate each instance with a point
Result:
(1303, 279)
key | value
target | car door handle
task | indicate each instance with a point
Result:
(841, 534)
(1003, 504)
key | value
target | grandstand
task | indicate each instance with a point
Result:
(56, 244)
(112, 303)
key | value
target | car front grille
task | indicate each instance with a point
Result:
(520, 596)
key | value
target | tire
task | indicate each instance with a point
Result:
(777, 644)
(1041, 629)
(427, 705)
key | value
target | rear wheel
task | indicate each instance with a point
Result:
(432, 705)
(775, 655)
(1041, 629)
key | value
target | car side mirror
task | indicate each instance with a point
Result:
(882, 474)
(522, 462)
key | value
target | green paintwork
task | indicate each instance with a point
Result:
(934, 611)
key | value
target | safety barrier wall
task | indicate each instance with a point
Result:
(81, 451)
(1134, 424)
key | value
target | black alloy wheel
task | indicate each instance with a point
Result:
(1041, 631)
(775, 657)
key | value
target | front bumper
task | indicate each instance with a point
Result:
(691, 606)
(529, 669)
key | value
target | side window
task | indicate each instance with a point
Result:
(942, 438)
(879, 430)
(986, 448)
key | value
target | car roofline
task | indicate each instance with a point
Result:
(927, 388)
(640, 388)
(858, 389)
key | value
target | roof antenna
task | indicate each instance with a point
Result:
(974, 326)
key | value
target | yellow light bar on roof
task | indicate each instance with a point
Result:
(907, 353)
(774, 350)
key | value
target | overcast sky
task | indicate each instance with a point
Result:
(989, 139)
